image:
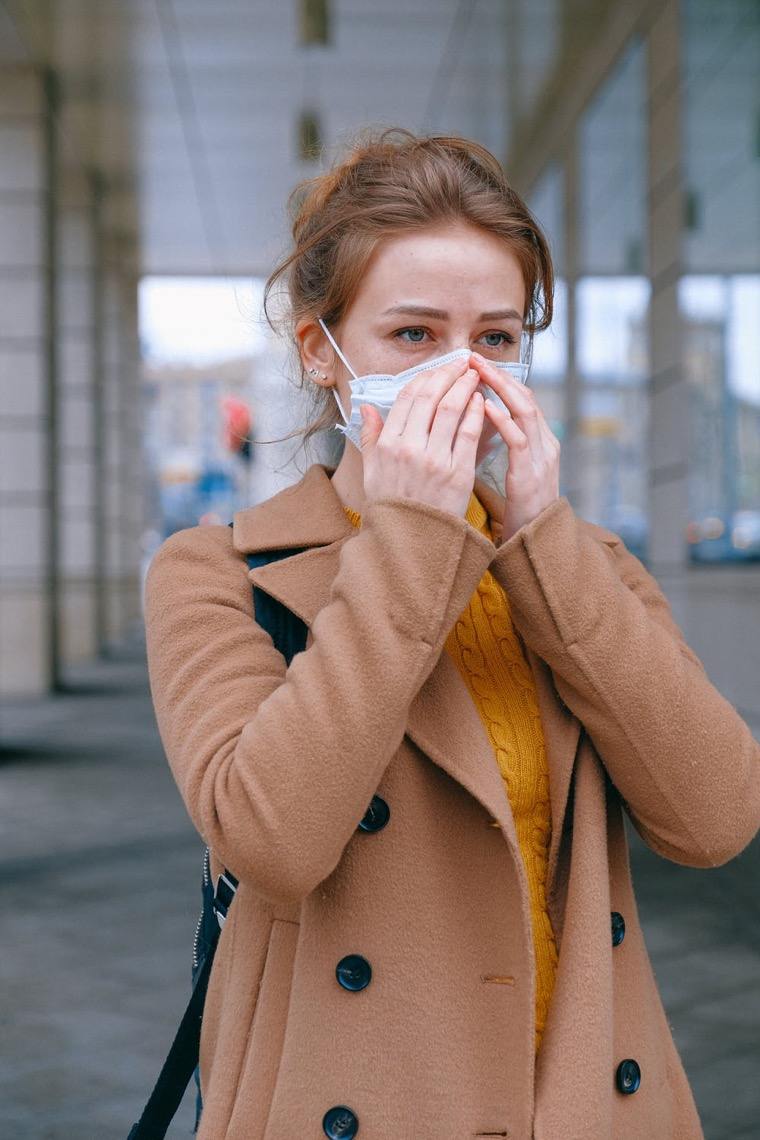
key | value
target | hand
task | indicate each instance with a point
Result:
(532, 481)
(426, 448)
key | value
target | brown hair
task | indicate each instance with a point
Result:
(390, 183)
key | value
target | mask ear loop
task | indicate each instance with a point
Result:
(328, 334)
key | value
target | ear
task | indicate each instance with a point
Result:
(315, 351)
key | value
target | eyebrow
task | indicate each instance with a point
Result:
(441, 315)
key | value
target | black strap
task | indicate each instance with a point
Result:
(288, 632)
(179, 1065)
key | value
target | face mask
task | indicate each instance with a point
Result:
(381, 389)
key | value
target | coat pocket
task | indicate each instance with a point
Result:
(267, 1034)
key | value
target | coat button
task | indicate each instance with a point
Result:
(376, 815)
(628, 1076)
(340, 1123)
(618, 928)
(353, 972)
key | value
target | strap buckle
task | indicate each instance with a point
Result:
(223, 896)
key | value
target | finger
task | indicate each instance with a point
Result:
(515, 395)
(372, 425)
(512, 434)
(435, 381)
(448, 412)
(468, 433)
(524, 410)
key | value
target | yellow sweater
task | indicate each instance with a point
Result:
(483, 645)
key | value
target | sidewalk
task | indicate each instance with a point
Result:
(100, 872)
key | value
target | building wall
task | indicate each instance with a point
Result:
(70, 504)
(639, 156)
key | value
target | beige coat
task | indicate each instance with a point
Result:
(277, 769)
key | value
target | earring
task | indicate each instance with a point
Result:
(316, 372)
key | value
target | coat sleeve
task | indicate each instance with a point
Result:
(684, 761)
(278, 765)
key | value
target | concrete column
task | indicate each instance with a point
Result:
(28, 366)
(77, 398)
(668, 391)
(122, 452)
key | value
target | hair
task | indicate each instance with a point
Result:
(390, 183)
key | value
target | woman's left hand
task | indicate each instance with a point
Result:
(532, 480)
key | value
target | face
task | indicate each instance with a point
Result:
(425, 293)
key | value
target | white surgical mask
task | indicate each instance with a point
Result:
(380, 389)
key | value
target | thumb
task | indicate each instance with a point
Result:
(372, 425)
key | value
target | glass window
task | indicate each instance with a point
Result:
(611, 340)
(546, 202)
(719, 299)
(536, 27)
(612, 300)
(721, 339)
(612, 172)
(721, 135)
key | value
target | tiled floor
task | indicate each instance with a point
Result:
(99, 871)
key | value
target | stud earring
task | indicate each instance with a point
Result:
(316, 372)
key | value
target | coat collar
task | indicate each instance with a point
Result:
(442, 720)
(309, 513)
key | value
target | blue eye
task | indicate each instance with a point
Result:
(506, 339)
(415, 329)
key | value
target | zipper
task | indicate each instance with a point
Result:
(206, 881)
(196, 940)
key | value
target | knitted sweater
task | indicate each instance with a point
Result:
(483, 645)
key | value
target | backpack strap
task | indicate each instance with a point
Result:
(288, 632)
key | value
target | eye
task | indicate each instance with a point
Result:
(506, 338)
(413, 329)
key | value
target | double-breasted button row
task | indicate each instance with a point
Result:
(628, 1073)
(354, 973)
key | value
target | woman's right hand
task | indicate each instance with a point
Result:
(426, 448)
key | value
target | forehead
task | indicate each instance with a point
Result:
(443, 265)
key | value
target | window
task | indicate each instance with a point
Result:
(719, 296)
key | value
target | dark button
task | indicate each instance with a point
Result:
(628, 1076)
(618, 928)
(353, 972)
(376, 816)
(340, 1123)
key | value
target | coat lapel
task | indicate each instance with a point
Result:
(443, 721)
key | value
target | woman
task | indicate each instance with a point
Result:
(435, 933)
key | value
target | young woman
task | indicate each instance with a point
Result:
(435, 933)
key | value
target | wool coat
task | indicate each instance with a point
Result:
(375, 976)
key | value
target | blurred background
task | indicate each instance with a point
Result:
(147, 148)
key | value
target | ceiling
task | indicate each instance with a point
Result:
(190, 109)
(189, 112)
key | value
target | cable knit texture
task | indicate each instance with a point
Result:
(484, 647)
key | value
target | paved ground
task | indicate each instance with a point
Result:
(99, 875)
